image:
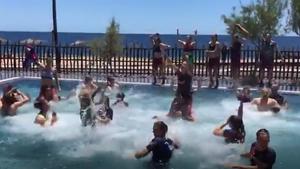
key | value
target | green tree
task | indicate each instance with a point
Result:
(294, 16)
(110, 45)
(259, 17)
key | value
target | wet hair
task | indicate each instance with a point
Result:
(121, 95)
(262, 131)
(9, 99)
(88, 79)
(163, 126)
(237, 124)
(7, 88)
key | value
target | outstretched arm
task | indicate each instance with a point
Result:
(219, 130)
(142, 153)
(181, 42)
(240, 111)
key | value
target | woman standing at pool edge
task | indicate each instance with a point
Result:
(213, 55)
(158, 59)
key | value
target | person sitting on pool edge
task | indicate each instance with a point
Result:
(236, 133)
(120, 100)
(11, 100)
(160, 146)
(265, 103)
(43, 104)
(275, 95)
(261, 155)
(244, 95)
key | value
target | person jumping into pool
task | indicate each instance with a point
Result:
(30, 56)
(275, 95)
(213, 55)
(184, 89)
(86, 113)
(89, 85)
(244, 95)
(120, 100)
(161, 147)
(158, 65)
(236, 133)
(188, 48)
(260, 155)
(43, 104)
(49, 77)
(104, 113)
(112, 85)
(11, 100)
(265, 103)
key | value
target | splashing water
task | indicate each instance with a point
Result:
(68, 145)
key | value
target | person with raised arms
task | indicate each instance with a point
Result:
(11, 100)
(236, 133)
(184, 90)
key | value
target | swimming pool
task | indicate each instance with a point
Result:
(69, 146)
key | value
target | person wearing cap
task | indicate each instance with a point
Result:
(275, 95)
(261, 155)
(265, 103)
(160, 146)
(11, 100)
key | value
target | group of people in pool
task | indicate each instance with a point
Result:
(99, 111)
(261, 155)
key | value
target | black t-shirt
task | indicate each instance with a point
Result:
(267, 156)
(161, 148)
(185, 88)
(236, 51)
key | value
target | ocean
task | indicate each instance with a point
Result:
(137, 40)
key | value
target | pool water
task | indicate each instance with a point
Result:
(69, 146)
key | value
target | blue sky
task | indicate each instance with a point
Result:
(134, 16)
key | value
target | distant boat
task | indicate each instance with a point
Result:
(2, 40)
(32, 41)
(79, 43)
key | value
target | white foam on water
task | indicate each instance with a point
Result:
(131, 128)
